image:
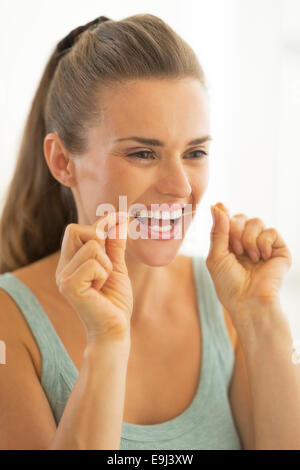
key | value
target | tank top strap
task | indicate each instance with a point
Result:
(212, 316)
(52, 350)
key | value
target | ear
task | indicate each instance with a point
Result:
(59, 160)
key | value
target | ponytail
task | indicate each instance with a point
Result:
(37, 207)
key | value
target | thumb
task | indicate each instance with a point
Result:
(219, 236)
(116, 243)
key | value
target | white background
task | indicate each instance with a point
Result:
(250, 52)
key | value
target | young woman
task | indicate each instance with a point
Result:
(119, 342)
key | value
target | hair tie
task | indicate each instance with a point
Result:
(69, 40)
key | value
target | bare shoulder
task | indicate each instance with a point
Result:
(12, 321)
(20, 385)
(40, 273)
(31, 275)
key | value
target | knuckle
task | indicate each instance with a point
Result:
(70, 229)
(92, 263)
(64, 285)
(99, 255)
(255, 221)
(93, 246)
(95, 266)
(247, 241)
(101, 272)
(262, 239)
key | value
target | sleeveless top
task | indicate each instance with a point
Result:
(207, 423)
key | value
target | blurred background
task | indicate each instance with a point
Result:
(250, 53)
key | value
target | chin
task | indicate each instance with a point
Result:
(158, 255)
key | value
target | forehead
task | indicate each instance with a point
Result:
(155, 107)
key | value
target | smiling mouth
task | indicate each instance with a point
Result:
(157, 215)
(161, 219)
(152, 221)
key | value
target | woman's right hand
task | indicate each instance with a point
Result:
(92, 275)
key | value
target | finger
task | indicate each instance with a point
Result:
(270, 241)
(237, 227)
(264, 242)
(106, 223)
(116, 245)
(77, 235)
(278, 241)
(74, 238)
(253, 229)
(82, 279)
(219, 235)
(90, 250)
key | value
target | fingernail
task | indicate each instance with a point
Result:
(221, 206)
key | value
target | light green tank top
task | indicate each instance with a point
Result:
(207, 423)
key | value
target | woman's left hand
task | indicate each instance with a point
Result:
(239, 280)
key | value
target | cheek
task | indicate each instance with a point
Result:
(94, 186)
(105, 176)
(104, 184)
(128, 179)
(93, 182)
(199, 182)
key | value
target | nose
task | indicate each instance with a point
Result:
(173, 180)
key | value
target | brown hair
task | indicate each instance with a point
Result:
(37, 207)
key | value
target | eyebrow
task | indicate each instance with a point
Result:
(159, 143)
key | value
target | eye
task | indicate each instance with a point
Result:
(134, 155)
(202, 153)
(138, 154)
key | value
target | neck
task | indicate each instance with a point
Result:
(148, 285)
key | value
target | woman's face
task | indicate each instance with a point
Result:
(173, 112)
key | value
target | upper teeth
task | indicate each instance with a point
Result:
(158, 214)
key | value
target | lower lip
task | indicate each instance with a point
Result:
(160, 236)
